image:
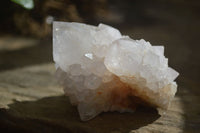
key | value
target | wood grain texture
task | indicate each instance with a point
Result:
(31, 101)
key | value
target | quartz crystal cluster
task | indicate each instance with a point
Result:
(102, 70)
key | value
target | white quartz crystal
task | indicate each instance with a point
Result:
(101, 70)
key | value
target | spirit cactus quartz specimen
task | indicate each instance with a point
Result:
(102, 70)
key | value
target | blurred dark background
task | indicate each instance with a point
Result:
(172, 23)
(26, 37)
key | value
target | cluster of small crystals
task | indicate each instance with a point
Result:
(89, 58)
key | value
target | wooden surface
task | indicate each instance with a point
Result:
(32, 101)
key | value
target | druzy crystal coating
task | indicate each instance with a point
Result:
(102, 70)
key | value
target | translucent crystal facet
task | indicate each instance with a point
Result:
(101, 70)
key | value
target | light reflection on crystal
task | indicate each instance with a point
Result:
(101, 70)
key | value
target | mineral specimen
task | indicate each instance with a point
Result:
(101, 70)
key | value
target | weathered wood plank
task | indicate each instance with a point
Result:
(32, 101)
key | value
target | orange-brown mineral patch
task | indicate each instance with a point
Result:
(126, 97)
